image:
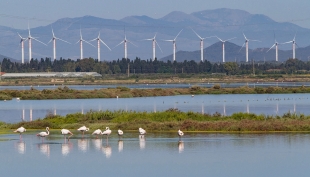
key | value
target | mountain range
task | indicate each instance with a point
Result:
(224, 23)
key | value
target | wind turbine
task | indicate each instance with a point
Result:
(246, 43)
(81, 43)
(98, 44)
(276, 44)
(29, 43)
(125, 45)
(294, 45)
(154, 42)
(201, 44)
(173, 43)
(22, 40)
(54, 43)
(223, 43)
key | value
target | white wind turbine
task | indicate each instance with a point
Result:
(173, 43)
(81, 40)
(29, 43)
(276, 44)
(98, 44)
(223, 44)
(54, 43)
(154, 42)
(125, 45)
(22, 40)
(246, 43)
(294, 45)
(201, 44)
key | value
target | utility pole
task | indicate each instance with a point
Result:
(128, 70)
(253, 68)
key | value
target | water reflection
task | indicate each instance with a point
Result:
(66, 148)
(97, 143)
(120, 145)
(21, 147)
(44, 149)
(142, 142)
(83, 144)
(181, 146)
(107, 150)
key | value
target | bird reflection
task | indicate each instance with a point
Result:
(107, 150)
(83, 144)
(97, 143)
(120, 145)
(142, 141)
(65, 148)
(44, 149)
(181, 146)
(21, 147)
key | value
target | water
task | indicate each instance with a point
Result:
(268, 104)
(167, 85)
(158, 154)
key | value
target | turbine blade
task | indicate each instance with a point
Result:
(63, 40)
(119, 44)
(178, 34)
(104, 44)
(287, 42)
(241, 47)
(169, 40)
(20, 36)
(229, 39)
(89, 43)
(50, 41)
(78, 41)
(132, 43)
(220, 39)
(244, 36)
(39, 41)
(159, 47)
(197, 34)
(271, 47)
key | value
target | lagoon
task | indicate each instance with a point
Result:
(158, 154)
(226, 104)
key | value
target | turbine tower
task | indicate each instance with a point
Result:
(154, 42)
(201, 44)
(246, 43)
(29, 43)
(223, 44)
(98, 44)
(294, 45)
(81, 44)
(173, 44)
(22, 40)
(54, 43)
(125, 45)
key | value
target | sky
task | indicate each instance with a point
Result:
(16, 13)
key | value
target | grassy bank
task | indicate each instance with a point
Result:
(171, 120)
(124, 92)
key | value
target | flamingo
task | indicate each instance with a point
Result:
(97, 132)
(107, 132)
(44, 134)
(66, 132)
(120, 132)
(83, 129)
(142, 131)
(180, 133)
(20, 130)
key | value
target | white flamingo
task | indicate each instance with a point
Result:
(44, 134)
(142, 131)
(120, 132)
(180, 133)
(20, 130)
(83, 129)
(107, 132)
(97, 132)
(66, 132)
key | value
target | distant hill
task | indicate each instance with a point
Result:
(225, 23)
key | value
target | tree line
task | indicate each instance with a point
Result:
(139, 66)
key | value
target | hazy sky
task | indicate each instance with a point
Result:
(14, 13)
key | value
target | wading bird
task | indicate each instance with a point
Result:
(66, 132)
(20, 130)
(44, 134)
(107, 132)
(83, 129)
(120, 133)
(180, 133)
(97, 132)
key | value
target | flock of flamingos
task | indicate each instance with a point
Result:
(83, 129)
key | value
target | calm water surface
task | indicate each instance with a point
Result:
(268, 104)
(158, 154)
